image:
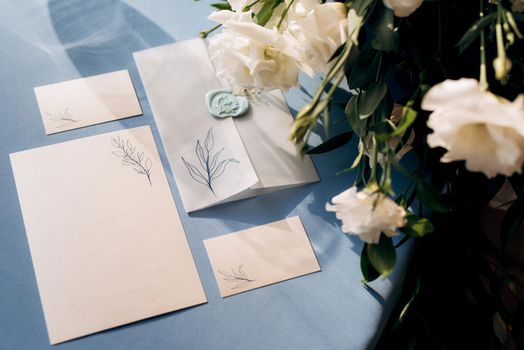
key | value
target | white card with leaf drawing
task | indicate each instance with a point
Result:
(106, 241)
(86, 101)
(218, 160)
(260, 256)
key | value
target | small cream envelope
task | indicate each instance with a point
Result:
(217, 160)
(106, 241)
(82, 102)
(260, 256)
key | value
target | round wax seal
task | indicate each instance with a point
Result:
(223, 103)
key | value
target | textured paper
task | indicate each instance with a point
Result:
(261, 256)
(107, 244)
(82, 102)
(259, 156)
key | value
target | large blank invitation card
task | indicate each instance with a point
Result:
(218, 160)
(107, 244)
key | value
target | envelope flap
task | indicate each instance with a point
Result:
(207, 155)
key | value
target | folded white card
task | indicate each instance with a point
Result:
(217, 160)
(107, 244)
(260, 256)
(82, 102)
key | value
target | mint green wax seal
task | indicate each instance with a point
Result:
(224, 103)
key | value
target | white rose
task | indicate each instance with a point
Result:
(476, 126)
(247, 55)
(313, 38)
(403, 8)
(367, 213)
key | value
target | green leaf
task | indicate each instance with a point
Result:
(337, 52)
(499, 327)
(357, 125)
(383, 35)
(416, 226)
(430, 198)
(222, 6)
(364, 71)
(368, 271)
(408, 118)
(370, 99)
(474, 31)
(382, 256)
(266, 12)
(332, 144)
(360, 6)
(512, 221)
(381, 129)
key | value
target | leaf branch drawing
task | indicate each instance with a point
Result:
(210, 166)
(239, 278)
(64, 118)
(125, 150)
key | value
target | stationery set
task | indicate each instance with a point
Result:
(107, 243)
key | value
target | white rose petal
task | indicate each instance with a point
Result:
(403, 8)
(476, 126)
(247, 55)
(225, 16)
(313, 38)
(367, 214)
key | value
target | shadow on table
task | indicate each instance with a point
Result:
(103, 33)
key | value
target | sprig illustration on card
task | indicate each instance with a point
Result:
(126, 151)
(238, 278)
(210, 166)
(62, 118)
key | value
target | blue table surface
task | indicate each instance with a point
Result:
(44, 42)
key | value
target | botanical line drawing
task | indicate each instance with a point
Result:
(239, 278)
(129, 157)
(211, 167)
(64, 118)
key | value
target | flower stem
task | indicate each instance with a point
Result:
(284, 14)
(248, 7)
(374, 161)
(204, 34)
(501, 63)
(483, 70)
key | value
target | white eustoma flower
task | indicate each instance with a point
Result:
(403, 8)
(313, 38)
(249, 56)
(476, 126)
(367, 213)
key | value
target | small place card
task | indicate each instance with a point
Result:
(260, 256)
(82, 102)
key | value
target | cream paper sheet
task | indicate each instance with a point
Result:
(260, 256)
(106, 241)
(86, 101)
